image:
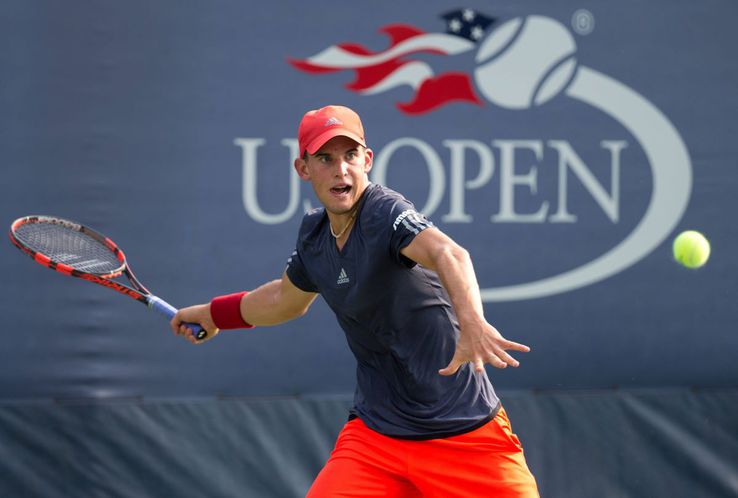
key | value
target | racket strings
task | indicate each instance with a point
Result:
(69, 246)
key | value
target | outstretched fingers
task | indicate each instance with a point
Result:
(498, 358)
(503, 357)
(515, 346)
(452, 367)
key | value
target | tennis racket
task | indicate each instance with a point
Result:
(78, 251)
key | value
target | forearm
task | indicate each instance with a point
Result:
(454, 267)
(275, 302)
(436, 251)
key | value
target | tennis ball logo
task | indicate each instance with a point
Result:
(525, 62)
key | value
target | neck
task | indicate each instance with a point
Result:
(339, 224)
(343, 228)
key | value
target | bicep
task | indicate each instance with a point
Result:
(293, 297)
(276, 302)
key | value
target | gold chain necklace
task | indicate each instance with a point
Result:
(348, 224)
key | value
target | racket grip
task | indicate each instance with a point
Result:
(166, 309)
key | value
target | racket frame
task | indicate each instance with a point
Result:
(137, 291)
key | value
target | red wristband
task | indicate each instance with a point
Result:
(226, 312)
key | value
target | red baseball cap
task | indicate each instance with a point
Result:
(320, 125)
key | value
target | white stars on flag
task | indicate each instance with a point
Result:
(467, 23)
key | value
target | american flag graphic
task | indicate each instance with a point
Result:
(378, 72)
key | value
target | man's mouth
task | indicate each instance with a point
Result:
(342, 189)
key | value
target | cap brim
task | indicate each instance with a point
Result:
(321, 139)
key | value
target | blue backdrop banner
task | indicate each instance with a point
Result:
(563, 144)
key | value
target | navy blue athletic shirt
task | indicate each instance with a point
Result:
(398, 321)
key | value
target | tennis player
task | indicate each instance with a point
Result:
(425, 420)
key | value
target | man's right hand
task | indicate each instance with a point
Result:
(194, 314)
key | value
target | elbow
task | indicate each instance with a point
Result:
(298, 312)
(453, 254)
(461, 254)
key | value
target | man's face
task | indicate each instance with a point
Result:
(337, 172)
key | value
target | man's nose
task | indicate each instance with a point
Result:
(342, 168)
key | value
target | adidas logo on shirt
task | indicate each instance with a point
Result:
(342, 277)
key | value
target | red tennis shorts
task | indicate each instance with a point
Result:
(486, 462)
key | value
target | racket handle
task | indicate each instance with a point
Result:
(166, 309)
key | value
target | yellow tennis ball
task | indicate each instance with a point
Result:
(691, 249)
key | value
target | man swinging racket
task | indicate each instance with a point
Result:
(426, 420)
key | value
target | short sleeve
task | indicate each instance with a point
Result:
(297, 273)
(407, 223)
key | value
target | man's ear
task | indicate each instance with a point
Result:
(301, 168)
(368, 160)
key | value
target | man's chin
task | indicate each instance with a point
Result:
(338, 211)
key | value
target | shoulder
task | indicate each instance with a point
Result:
(383, 201)
(311, 225)
(380, 194)
(385, 207)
